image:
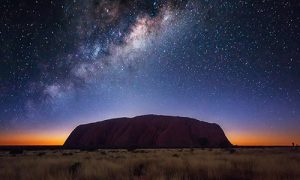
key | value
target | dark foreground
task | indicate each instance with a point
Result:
(238, 163)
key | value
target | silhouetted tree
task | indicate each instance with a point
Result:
(203, 142)
(15, 152)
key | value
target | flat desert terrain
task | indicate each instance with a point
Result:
(237, 163)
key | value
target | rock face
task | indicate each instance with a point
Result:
(148, 131)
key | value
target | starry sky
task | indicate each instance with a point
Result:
(68, 62)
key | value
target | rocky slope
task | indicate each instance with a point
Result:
(148, 131)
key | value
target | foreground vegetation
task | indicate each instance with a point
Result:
(268, 163)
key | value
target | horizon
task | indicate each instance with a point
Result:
(44, 139)
(233, 63)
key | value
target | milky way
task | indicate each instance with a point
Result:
(231, 62)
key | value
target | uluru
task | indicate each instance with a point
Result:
(147, 131)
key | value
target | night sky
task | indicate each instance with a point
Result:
(68, 62)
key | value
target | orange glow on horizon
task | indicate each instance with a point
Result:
(58, 138)
(33, 139)
(262, 139)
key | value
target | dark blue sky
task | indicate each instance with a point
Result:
(235, 63)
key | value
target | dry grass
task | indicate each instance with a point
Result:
(158, 164)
